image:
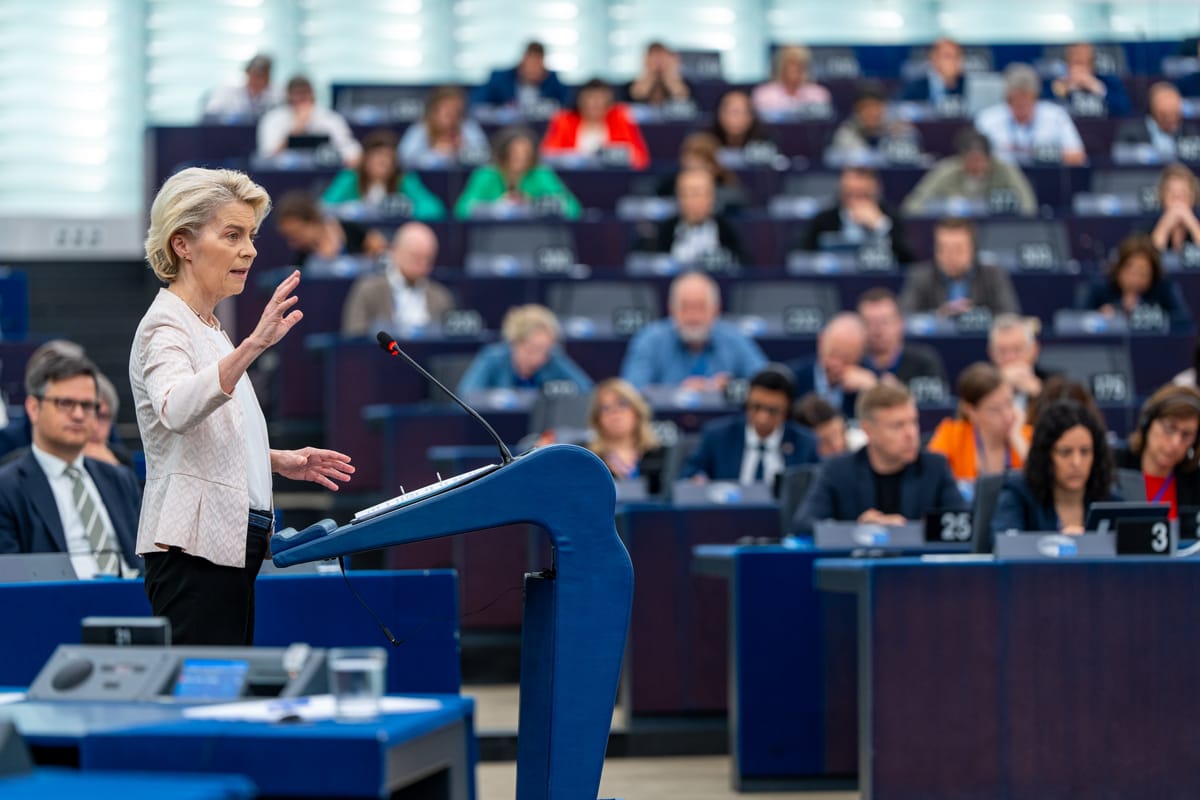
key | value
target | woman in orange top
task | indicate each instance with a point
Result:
(987, 437)
(596, 123)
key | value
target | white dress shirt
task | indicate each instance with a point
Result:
(258, 458)
(695, 242)
(409, 301)
(771, 455)
(83, 560)
(276, 125)
(1050, 128)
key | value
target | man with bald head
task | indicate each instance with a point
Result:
(403, 297)
(693, 348)
(835, 373)
(1163, 126)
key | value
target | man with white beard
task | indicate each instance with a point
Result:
(692, 349)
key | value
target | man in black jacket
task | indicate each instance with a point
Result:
(698, 235)
(860, 219)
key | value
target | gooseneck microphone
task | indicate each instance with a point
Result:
(391, 348)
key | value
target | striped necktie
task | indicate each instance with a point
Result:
(99, 538)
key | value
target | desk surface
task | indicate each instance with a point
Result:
(320, 758)
(47, 783)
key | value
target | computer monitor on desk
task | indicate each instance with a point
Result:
(1103, 517)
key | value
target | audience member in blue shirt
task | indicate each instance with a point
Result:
(834, 372)
(527, 358)
(891, 480)
(755, 447)
(1069, 467)
(525, 84)
(694, 348)
(1136, 285)
(1079, 88)
(943, 79)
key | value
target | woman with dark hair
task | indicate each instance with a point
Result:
(1069, 467)
(379, 178)
(515, 177)
(596, 123)
(701, 151)
(445, 134)
(1164, 447)
(987, 436)
(1135, 280)
(736, 123)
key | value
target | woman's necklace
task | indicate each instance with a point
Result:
(212, 323)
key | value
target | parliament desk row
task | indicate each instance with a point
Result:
(421, 608)
(353, 376)
(430, 751)
(169, 147)
(606, 241)
(1030, 680)
(323, 298)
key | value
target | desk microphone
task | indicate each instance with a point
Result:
(391, 348)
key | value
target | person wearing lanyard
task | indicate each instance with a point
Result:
(987, 437)
(1068, 468)
(1022, 125)
(1164, 448)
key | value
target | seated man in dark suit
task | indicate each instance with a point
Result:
(860, 218)
(1082, 90)
(755, 447)
(55, 499)
(888, 355)
(944, 78)
(525, 84)
(1163, 125)
(888, 482)
(699, 234)
(956, 282)
(834, 373)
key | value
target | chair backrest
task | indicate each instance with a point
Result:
(1026, 244)
(1125, 182)
(700, 65)
(777, 297)
(626, 304)
(834, 62)
(983, 506)
(793, 486)
(820, 185)
(1131, 485)
(449, 369)
(1106, 369)
(521, 243)
(555, 411)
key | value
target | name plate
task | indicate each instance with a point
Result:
(839, 535)
(1140, 537)
(948, 527)
(1033, 545)
(1189, 522)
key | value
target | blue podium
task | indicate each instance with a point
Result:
(576, 615)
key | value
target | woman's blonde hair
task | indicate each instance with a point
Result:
(1180, 171)
(187, 202)
(644, 438)
(521, 321)
(792, 52)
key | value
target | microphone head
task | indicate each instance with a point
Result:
(387, 342)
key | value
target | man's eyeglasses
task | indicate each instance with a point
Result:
(67, 405)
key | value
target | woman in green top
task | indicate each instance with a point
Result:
(379, 183)
(516, 178)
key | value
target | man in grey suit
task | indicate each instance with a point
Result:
(955, 282)
(403, 297)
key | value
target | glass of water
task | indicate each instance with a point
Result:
(356, 677)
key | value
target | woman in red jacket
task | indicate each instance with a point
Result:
(596, 123)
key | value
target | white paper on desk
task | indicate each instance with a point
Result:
(316, 707)
(11, 697)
